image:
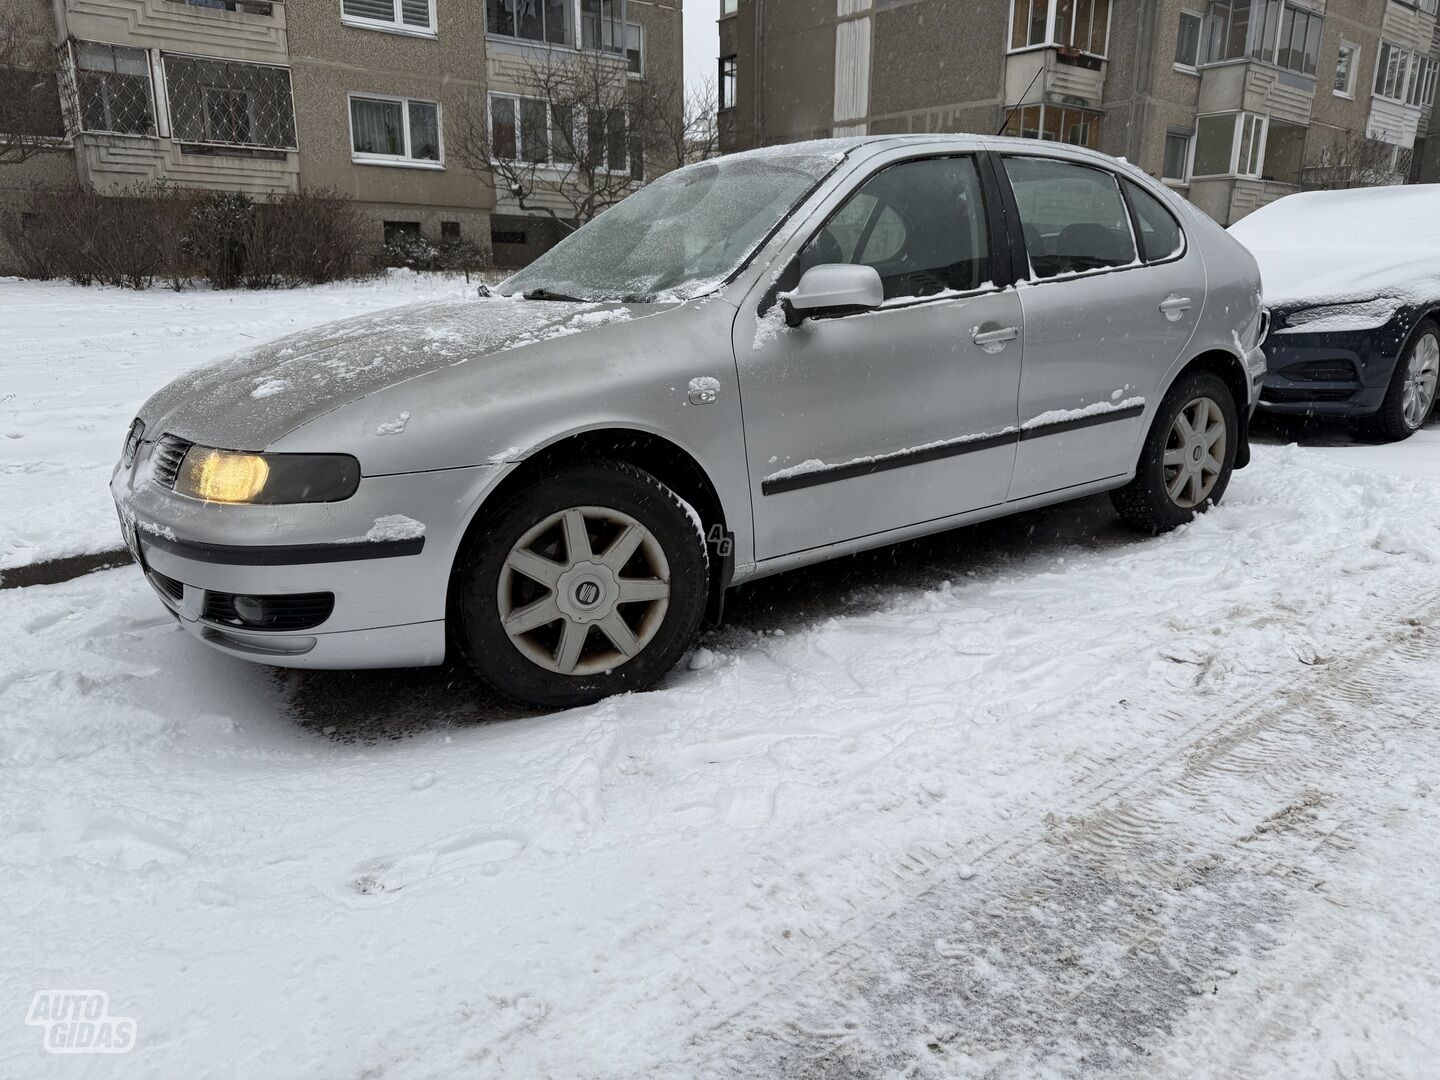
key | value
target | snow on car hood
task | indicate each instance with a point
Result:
(251, 399)
(1338, 246)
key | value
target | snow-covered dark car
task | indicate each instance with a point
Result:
(1352, 280)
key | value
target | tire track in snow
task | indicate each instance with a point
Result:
(1275, 760)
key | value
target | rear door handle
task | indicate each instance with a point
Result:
(1172, 307)
(992, 341)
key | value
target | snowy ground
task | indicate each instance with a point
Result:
(1038, 798)
(75, 364)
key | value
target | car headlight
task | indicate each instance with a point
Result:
(228, 476)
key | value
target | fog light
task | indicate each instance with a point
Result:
(252, 610)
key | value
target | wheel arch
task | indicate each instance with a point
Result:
(668, 462)
(1231, 370)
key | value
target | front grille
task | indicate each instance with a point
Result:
(168, 586)
(296, 611)
(165, 459)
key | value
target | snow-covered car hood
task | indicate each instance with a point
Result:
(1340, 246)
(249, 400)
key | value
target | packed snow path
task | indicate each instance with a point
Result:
(1039, 796)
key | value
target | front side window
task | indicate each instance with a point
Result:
(1160, 235)
(1345, 64)
(114, 89)
(394, 130)
(1187, 40)
(229, 103)
(1177, 157)
(408, 16)
(729, 81)
(920, 224)
(1073, 216)
(545, 21)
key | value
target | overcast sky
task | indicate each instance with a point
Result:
(702, 40)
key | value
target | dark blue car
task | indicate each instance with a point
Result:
(1352, 280)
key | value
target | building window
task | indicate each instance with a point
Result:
(229, 103)
(729, 7)
(1284, 152)
(729, 81)
(602, 25)
(526, 129)
(114, 89)
(400, 231)
(1403, 76)
(1187, 40)
(546, 21)
(405, 16)
(1083, 25)
(1345, 65)
(450, 230)
(394, 131)
(1229, 144)
(1177, 157)
(1281, 34)
(635, 48)
(1079, 127)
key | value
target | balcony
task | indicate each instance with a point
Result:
(264, 8)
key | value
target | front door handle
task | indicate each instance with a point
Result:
(992, 341)
(1172, 307)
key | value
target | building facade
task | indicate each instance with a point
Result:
(1234, 103)
(366, 97)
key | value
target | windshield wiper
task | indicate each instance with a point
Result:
(546, 294)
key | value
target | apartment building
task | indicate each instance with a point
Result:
(367, 97)
(1232, 102)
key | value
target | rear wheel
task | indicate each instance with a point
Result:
(1410, 398)
(1187, 459)
(591, 582)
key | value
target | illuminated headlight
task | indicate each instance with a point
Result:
(228, 476)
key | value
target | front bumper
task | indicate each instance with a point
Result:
(389, 595)
(1332, 373)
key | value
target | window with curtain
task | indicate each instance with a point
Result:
(1345, 64)
(395, 129)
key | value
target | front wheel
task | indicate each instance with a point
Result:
(590, 582)
(1187, 459)
(1410, 396)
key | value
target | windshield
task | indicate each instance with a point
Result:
(680, 236)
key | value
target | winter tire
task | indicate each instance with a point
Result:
(1187, 459)
(590, 582)
(1410, 398)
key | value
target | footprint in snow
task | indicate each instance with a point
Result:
(385, 876)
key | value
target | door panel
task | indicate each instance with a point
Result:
(1100, 329)
(862, 423)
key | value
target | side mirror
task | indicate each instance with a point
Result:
(834, 287)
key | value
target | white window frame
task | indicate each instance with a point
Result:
(402, 161)
(581, 119)
(72, 75)
(1199, 17)
(1417, 82)
(1051, 41)
(1260, 132)
(395, 25)
(1187, 167)
(641, 28)
(1353, 74)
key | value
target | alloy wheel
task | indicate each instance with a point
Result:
(1421, 377)
(1195, 453)
(584, 591)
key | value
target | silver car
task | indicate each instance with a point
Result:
(752, 364)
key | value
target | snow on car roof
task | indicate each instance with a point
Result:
(1336, 246)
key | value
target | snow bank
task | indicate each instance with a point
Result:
(1336, 246)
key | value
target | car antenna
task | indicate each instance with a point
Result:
(1005, 120)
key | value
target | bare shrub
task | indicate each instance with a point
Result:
(307, 238)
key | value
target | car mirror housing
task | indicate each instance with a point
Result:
(834, 288)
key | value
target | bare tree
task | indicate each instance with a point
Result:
(578, 137)
(1358, 161)
(685, 130)
(30, 117)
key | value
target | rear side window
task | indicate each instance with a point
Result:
(1073, 216)
(1160, 236)
(920, 224)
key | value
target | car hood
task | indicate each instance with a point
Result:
(255, 397)
(1294, 278)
